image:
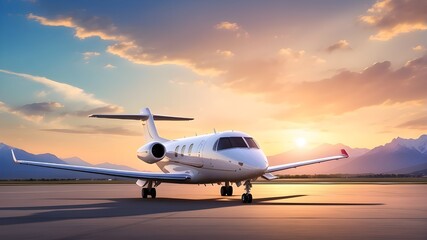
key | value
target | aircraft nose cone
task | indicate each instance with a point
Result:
(259, 162)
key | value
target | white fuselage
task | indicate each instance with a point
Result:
(201, 157)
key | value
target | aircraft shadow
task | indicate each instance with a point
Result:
(123, 207)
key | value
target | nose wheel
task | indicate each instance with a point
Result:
(247, 196)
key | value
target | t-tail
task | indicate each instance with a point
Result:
(150, 130)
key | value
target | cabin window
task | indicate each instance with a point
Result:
(176, 151)
(182, 150)
(251, 142)
(190, 149)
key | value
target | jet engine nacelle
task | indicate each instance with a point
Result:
(152, 152)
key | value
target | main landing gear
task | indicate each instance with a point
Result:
(247, 197)
(227, 190)
(149, 190)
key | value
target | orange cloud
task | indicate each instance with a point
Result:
(340, 45)
(90, 129)
(418, 123)
(394, 17)
(349, 91)
(287, 52)
(225, 53)
(227, 26)
(127, 47)
(134, 53)
(232, 27)
(80, 31)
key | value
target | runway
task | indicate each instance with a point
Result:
(279, 211)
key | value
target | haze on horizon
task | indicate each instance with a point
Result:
(288, 73)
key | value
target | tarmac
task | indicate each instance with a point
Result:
(278, 211)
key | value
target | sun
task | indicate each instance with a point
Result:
(300, 142)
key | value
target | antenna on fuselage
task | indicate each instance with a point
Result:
(214, 130)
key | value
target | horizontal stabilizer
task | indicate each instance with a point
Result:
(140, 117)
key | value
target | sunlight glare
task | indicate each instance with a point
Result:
(300, 142)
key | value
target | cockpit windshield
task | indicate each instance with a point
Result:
(234, 142)
(251, 142)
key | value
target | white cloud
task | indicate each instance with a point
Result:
(67, 91)
(109, 66)
(41, 94)
(89, 55)
(419, 48)
(7, 109)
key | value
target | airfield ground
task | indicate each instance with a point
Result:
(279, 211)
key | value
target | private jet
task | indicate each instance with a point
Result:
(221, 158)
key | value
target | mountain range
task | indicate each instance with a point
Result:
(400, 156)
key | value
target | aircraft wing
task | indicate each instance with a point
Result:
(159, 176)
(270, 169)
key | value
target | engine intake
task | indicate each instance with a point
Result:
(152, 152)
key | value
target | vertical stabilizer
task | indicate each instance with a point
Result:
(150, 131)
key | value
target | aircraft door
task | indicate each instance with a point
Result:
(200, 149)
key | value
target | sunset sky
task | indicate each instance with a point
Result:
(285, 72)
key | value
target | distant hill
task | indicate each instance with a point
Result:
(9, 170)
(76, 161)
(80, 162)
(323, 150)
(398, 156)
(114, 166)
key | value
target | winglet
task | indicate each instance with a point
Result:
(344, 153)
(13, 156)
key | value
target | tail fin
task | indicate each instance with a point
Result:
(150, 131)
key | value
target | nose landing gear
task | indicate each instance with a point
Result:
(247, 196)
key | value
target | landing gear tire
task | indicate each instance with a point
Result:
(229, 190)
(145, 192)
(223, 191)
(247, 198)
(153, 193)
